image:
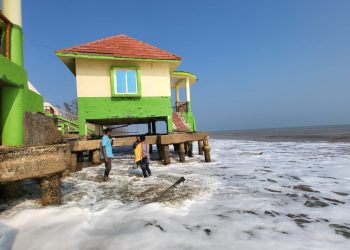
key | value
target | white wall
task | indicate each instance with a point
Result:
(93, 77)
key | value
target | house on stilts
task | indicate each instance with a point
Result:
(123, 81)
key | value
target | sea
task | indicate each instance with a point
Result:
(264, 189)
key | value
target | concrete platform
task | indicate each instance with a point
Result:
(46, 163)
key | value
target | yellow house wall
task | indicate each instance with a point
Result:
(93, 77)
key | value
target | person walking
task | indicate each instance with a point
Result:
(106, 152)
(146, 171)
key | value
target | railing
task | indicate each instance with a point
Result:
(5, 48)
(181, 107)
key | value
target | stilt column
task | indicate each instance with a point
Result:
(182, 152)
(206, 150)
(200, 147)
(51, 190)
(73, 162)
(96, 157)
(166, 155)
(190, 149)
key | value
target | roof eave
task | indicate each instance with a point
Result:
(110, 57)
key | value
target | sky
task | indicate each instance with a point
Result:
(260, 63)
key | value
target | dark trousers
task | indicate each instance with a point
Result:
(145, 167)
(108, 166)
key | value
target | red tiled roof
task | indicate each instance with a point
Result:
(121, 46)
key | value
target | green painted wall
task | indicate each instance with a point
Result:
(11, 74)
(12, 116)
(33, 102)
(114, 107)
(17, 45)
(16, 98)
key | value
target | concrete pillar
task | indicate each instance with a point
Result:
(12, 9)
(74, 162)
(190, 149)
(188, 91)
(177, 93)
(206, 150)
(96, 157)
(200, 147)
(160, 151)
(51, 190)
(166, 155)
(12, 116)
(182, 152)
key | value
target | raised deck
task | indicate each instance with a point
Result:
(182, 143)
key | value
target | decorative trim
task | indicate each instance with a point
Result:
(138, 76)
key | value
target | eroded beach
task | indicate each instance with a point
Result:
(286, 195)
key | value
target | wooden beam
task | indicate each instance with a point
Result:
(181, 137)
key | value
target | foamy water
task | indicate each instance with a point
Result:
(254, 195)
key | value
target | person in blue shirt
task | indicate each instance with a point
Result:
(106, 152)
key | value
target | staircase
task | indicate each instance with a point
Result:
(179, 124)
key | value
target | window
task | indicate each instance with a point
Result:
(125, 81)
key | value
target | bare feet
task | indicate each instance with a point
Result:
(105, 178)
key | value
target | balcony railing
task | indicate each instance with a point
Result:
(181, 107)
(5, 44)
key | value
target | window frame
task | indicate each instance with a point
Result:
(113, 71)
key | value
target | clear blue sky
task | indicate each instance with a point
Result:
(260, 63)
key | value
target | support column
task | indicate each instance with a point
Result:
(182, 152)
(186, 148)
(200, 147)
(190, 149)
(154, 129)
(177, 93)
(73, 162)
(150, 149)
(188, 91)
(12, 9)
(96, 157)
(149, 128)
(51, 190)
(160, 151)
(206, 150)
(166, 155)
(12, 116)
(12, 98)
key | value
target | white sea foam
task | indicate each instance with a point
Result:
(292, 196)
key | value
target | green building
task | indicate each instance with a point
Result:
(16, 96)
(121, 80)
